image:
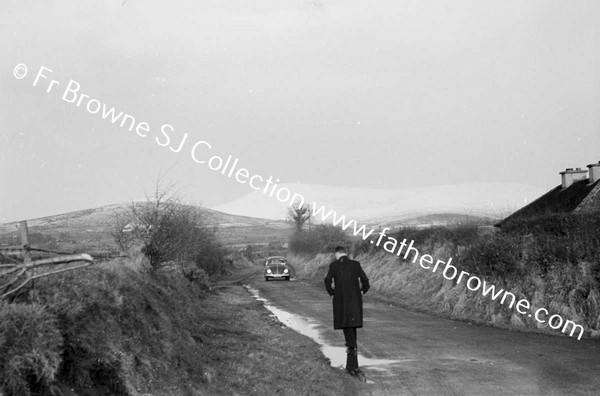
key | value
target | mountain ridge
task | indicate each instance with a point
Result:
(492, 200)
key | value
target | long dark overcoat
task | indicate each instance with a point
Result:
(346, 291)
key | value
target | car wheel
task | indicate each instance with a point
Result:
(287, 278)
(266, 278)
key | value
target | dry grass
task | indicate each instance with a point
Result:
(555, 264)
(121, 329)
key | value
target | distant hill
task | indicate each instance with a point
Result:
(257, 219)
(378, 206)
(92, 228)
(436, 219)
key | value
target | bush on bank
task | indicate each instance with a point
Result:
(167, 231)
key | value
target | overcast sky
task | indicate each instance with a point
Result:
(391, 95)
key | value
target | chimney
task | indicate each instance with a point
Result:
(594, 172)
(570, 176)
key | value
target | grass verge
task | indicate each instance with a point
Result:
(121, 329)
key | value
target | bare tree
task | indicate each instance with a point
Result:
(168, 230)
(299, 215)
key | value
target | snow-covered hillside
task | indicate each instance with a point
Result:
(377, 205)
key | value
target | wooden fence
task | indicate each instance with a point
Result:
(21, 270)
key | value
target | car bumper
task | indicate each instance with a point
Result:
(277, 275)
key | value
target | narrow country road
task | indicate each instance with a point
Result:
(435, 356)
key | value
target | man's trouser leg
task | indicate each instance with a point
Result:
(351, 357)
(350, 335)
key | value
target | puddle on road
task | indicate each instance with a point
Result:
(309, 328)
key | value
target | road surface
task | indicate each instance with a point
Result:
(408, 353)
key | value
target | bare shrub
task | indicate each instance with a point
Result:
(167, 230)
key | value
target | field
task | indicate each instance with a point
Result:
(90, 230)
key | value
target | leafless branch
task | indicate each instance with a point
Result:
(23, 268)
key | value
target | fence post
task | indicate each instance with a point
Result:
(25, 246)
(25, 242)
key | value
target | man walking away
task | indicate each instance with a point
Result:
(347, 301)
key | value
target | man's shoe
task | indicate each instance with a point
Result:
(352, 361)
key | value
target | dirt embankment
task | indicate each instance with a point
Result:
(120, 328)
(567, 291)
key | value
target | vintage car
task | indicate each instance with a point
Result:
(276, 267)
